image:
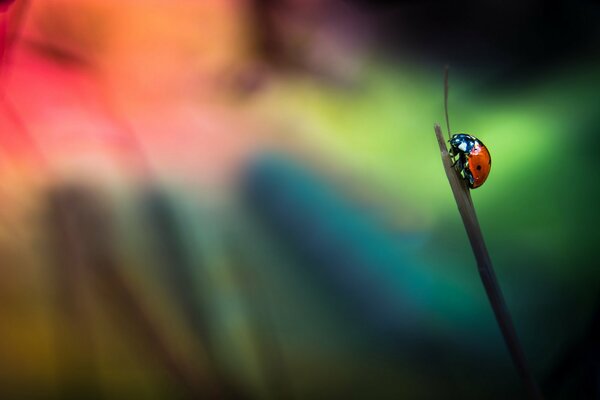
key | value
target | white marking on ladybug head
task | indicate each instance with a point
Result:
(462, 146)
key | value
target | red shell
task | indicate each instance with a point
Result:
(480, 163)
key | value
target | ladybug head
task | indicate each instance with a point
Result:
(462, 142)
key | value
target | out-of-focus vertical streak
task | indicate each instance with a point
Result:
(84, 215)
(267, 343)
(178, 271)
(75, 344)
(267, 44)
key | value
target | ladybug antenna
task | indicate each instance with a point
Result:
(446, 68)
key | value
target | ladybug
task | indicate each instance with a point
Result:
(474, 161)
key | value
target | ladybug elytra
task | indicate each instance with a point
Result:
(474, 161)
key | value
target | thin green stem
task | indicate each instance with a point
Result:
(446, 90)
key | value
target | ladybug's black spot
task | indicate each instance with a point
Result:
(478, 167)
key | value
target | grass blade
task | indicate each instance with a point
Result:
(486, 270)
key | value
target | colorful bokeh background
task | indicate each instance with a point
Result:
(245, 199)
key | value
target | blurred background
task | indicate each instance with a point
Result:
(244, 199)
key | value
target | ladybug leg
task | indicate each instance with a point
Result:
(470, 178)
(455, 162)
(463, 169)
(461, 161)
(467, 173)
(456, 158)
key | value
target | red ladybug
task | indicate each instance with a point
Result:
(474, 160)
